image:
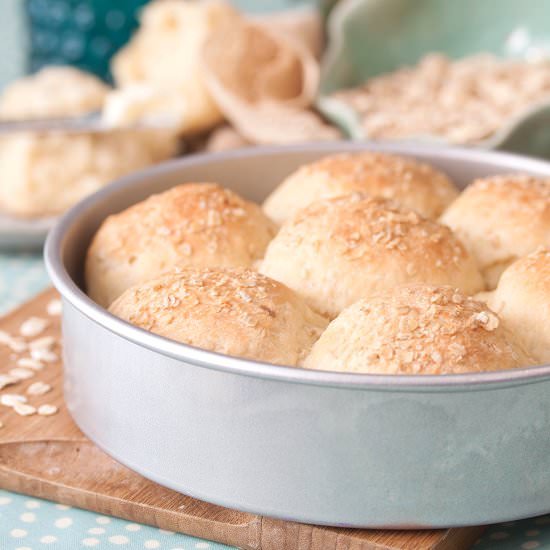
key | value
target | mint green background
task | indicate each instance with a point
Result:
(383, 35)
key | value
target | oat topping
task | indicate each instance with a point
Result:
(21, 373)
(464, 101)
(47, 410)
(38, 388)
(17, 345)
(416, 329)
(33, 327)
(46, 342)
(30, 363)
(7, 380)
(54, 307)
(41, 354)
(487, 319)
(23, 409)
(10, 399)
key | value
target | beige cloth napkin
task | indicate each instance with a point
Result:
(263, 78)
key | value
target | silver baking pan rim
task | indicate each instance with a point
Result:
(70, 291)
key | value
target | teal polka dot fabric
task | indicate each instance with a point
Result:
(32, 524)
(21, 276)
(83, 33)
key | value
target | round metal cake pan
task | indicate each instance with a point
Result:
(318, 447)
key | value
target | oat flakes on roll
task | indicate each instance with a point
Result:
(417, 329)
(238, 312)
(339, 250)
(193, 224)
(501, 219)
(410, 183)
(522, 299)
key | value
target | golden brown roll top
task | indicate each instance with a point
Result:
(339, 250)
(417, 329)
(501, 219)
(522, 299)
(410, 183)
(194, 224)
(233, 311)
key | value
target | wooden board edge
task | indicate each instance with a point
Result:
(245, 537)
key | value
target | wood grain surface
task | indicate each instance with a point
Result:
(49, 457)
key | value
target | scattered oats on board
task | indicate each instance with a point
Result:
(10, 399)
(15, 344)
(30, 363)
(20, 373)
(38, 388)
(41, 354)
(23, 409)
(33, 326)
(7, 380)
(46, 342)
(54, 307)
(47, 410)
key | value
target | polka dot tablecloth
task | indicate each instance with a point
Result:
(32, 524)
(28, 523)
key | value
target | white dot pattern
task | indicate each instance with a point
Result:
(63, 523)
(28, 517)
(33, 524)
(118, 539)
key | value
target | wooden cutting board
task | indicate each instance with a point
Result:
(48, 457)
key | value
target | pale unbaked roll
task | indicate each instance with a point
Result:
(336, 251)
(408, 182)
(417, 329)
(233, 311)
(501, 219)
(193, 224)
(43, 174)
(56, 91)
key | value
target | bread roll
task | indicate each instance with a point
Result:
(44, 174)
(500, 219)
(522, 299)
(233, 311)
(53, 92)
(336, 251)
(165, 53)
(194, 224)
(417, 329)
(410, 183)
